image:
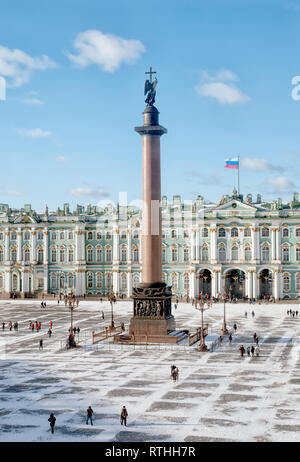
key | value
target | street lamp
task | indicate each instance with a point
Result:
(224, 330)
(202, 346)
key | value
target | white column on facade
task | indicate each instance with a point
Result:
(276, 287)
(255, 244)
(273, 244)
(254, 284)
(129, 250)
(116, 261)
(19, 245)
(278, 244)
(192, 283)
(33, 246)
(214, 288)
(197, 239)
(129, 283)
(46, 259)
(25, 281)
(6, 243)
(80, 260)
(250, 284)
(193, 244)
(213, 243)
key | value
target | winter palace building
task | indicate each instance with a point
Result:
(245, 248)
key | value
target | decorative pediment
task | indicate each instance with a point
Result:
(24, 219)
(235, 205)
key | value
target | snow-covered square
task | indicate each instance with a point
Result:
(219, 396)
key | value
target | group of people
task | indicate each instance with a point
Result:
(43, 304)
(174, 372)
(11, 325)
(252, 314)
(35, 325)
(253, 350)
(292, 313)
(89, 417)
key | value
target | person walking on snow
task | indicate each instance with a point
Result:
(89, 415)
(52, 421)
(252, 350)
(123, 416)
(242, 350)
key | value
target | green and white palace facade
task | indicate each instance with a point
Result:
(244, 248)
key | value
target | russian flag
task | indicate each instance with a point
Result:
(232, 163)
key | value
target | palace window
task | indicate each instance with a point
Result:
(204, 253)
(164, 278)
(265, 253)
(186, 254)
(26, 235)
(70, 235)
(108, 281)
(15, 282)
(123, 235)
(13, 236)
(1, 281)
(286, 254)
(265, 232)
(286, 283)
(247, 253)
(136, 279)
(186, 234)
(13, 255)
(234, 232)
(124, 282)
(90, 280)
(222, 254)
(1, 236)
(174, 254)
(26, 255)
(71, 281)
(135, 234)
(98, 280)
(40, 235)
(247, 232)
(40, 255)
(53, 281)
(174, 281)
(123, 255)
(90, 255)
(71, 255)
(1, 254)
(298, 282)
(285, 232)
(222, 232)
(298, 253)
(186, 282)
(164, 254)
(108, 254)
(40, 283)
(205, 232)
(174, 233)
(62, 255)
(136, 254)
(90, 236)
(163, 234)
(297, 232)
(54, 236)
(108, 235)
(53, 255)
(61, 235)
(99, 253)
(234, 253)
(99, 236)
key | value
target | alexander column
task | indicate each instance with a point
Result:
(152, 319)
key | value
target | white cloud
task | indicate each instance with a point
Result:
(60, 158)
(17, 67)
(258, 165)
(214, 86)
(11, 193)
(32, 101)
(106, 50)
(34, 133)
(280, 183)
(89, 192)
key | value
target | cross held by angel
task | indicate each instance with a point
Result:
(150, 88)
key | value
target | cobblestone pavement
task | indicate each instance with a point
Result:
(219, 395)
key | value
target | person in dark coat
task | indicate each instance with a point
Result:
(89, 415)
(52, 421)
(242, 350)
(123, 416)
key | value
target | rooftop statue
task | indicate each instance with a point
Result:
(150, 89)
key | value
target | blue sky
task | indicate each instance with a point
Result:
(75, 75)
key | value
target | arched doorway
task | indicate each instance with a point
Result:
(235, 283)
(205, 282)
(265, 283)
